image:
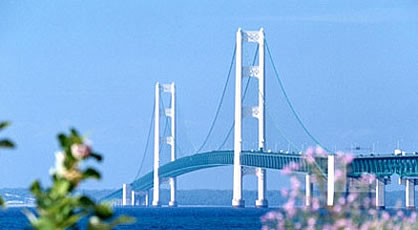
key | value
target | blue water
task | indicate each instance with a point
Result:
(166, 218)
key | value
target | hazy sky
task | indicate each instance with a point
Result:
(350, 69)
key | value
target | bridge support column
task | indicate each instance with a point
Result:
(133, 196)
(172, 143)
(173, 190)
(254, 111)
(126, 194)
(331, 180)
(308, 190)
(260, 115)
(380, 193)
(237, 200)
(146, 198)
(410, 193)
(261, 202)
(156, 190)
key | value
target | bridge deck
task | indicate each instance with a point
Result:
(379, 165)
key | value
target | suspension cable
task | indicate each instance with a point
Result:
(147, 143)
(242, 100)
(289, 103)
(220, 102)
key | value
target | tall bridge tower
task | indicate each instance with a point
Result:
(170, 140)
(254, 111)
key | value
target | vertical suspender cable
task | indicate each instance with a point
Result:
(220, 103)
(289, 103)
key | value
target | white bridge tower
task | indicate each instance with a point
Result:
(255, 111)
(170, 140)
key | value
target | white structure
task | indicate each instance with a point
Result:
(410, 193)
(308, 190)
(380, 193)
(126, 194)
(169, 112)
(133, 200)
(409, 186)
(331, 180)
(256, 112)
(147, 198)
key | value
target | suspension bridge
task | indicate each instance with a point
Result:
(255, 162)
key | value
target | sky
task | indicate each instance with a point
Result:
(350, 69)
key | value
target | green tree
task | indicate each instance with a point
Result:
(57, 207)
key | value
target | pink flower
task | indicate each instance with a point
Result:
(320, 151)
(293, 166)
(315, 204)
(337, 208)
(311, 221)
(310, 156)
(348, 158)
(284, 192)
(290, 209)
(399, 213)
(368, 178)
(295, 183)
(386, 216)
(286, 170)
(341, 201)
(351, 197)
(338, 175)
(80, 151)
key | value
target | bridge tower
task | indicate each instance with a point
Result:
(170, 140)
(256, 112)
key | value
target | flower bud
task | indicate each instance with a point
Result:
(80, 151)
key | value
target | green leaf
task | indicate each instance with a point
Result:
(5, 143)
(61, 187)
(74, 132)
(91, 173)
(2, 203)
(70, 221)
(36, 188)
(96, 156)
(103, 211)
(85, 201)
(4, 124)
(62, 140)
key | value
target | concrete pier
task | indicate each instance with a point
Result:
(380, 193)
(126, 194)
(331, 180)
(308, 190)
(410, 193)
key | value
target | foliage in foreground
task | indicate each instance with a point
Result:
(5, 143)
(57, 207)
(352, 211)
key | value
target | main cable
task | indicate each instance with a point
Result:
(220, 102)
(289, 103)
(147, 143)
(242, 100)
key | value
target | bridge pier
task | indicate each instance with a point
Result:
(257, 112)
(126, 194)
(261, 202)
(331, 180)
(173, 190)
(380, 193)
(410, 193)
(170, 140)
(308, 190)
(409, 185)
(133, 196)
(146, 198)
(156, 190)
